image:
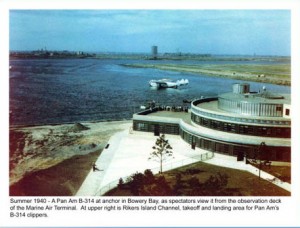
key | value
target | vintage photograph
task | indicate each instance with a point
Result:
(150, 102)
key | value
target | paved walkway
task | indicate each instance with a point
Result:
(128, 153)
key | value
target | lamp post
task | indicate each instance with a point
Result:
(261, 150)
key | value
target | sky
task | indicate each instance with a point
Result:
(232, 32)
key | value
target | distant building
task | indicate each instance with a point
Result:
(234, 123)
(154, 52)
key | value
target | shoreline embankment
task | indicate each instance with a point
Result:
(65, 149)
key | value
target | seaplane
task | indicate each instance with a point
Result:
(167, 83)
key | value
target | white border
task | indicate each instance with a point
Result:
(288, 216)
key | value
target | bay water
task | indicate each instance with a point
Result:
(55, 91)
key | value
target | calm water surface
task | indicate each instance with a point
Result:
(74, 90)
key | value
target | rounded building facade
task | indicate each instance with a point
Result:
(234, 123)
(257, 114)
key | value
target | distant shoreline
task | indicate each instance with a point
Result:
(145, 56)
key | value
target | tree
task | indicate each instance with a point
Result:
(161, 151)
(136, 183)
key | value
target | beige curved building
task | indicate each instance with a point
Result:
(234, 123)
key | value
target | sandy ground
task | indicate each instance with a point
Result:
(37, 149)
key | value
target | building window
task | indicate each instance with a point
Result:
(141, 126)
(287, 112)
(278, 109)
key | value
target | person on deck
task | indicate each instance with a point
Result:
(95, 167)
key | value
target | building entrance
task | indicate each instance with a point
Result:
(240, 156)
(156, 130)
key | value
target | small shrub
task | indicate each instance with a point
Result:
(136, 183)
(178, 186)
(193, 182)
(148, 177)
(121, 183)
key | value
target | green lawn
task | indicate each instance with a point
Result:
(239, 183)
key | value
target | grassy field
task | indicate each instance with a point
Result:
(240, 183)
(271, 73)
(281, 71)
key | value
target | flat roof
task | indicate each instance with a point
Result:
(186, 116)
(264, 97)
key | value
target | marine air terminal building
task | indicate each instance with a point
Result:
(234, 123)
